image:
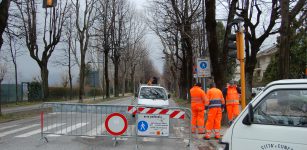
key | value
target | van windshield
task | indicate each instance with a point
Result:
(153, 93)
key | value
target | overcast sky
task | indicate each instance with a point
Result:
(28, 68)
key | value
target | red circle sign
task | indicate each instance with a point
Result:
(116, 124)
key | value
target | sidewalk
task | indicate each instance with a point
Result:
(37, 106)
(198, 142)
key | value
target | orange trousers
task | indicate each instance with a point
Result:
(232, 111)
(198, 122)
(214, 122)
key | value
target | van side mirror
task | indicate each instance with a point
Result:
(169, 96)
(249, 118)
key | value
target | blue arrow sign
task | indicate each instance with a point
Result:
(142, 126)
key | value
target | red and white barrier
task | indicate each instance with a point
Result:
(176, 114)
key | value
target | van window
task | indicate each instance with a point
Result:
(283, 107)
(153, 93)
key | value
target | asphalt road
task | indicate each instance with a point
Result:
(25, 134)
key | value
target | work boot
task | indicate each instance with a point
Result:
(230, 122)
(206, 138)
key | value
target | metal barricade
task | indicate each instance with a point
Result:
(91, 120)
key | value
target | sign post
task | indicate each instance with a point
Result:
(203, 69)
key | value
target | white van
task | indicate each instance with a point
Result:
(152, 95)
(276, 119)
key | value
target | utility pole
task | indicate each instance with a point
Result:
(240, 57)
(238, 48)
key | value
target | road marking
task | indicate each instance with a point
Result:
(120, 139)
(68, 129)
(96, 131)
(149, 139)
(2, 128)
(39, 130)
(17, 130)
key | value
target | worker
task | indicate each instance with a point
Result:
(152, 81)
(215, 106)
(198, 99)
(232, 101)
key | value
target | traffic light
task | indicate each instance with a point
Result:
(49, 3)
(232, 45)
(236, 45)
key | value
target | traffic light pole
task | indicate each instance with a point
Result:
(240, 57)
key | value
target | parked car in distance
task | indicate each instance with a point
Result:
(276, 119)
(151, 95)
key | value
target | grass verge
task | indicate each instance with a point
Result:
(36, 112)
(105, 100)
(19, 115)
(182, 102)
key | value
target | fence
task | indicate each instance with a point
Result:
(92, 120)
(8, 93)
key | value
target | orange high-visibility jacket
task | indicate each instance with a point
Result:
(198, 96)
(216, 99)
(232, 96)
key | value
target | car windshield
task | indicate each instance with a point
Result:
(153, 93)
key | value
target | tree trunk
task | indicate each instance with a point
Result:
(4, 8)
(132, 79)
(189, 49)
(116, 86)
(183, 79)
(284, 41)
(69, 70)
(44, 76)
(106, 72)
(82, 77)
(116, 83)
(16, 80)
(215, 52)
(0, 97)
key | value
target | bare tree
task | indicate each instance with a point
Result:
(3, 71)
(69, 50)
(133, 49)
(65, 80)
(287, 17)
(179, 15)
(106, 21)
(4, 13)
(120, 11)
(51, 36)
(84, 24)
(14, 48)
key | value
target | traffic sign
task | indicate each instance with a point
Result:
(116, 124)
(203, 68)
(153, 125)
(142, 126)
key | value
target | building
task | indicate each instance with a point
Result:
(263, 60)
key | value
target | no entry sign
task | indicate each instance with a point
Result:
(116, 124)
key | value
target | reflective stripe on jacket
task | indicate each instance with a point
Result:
(232, 96)
(216, 98)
